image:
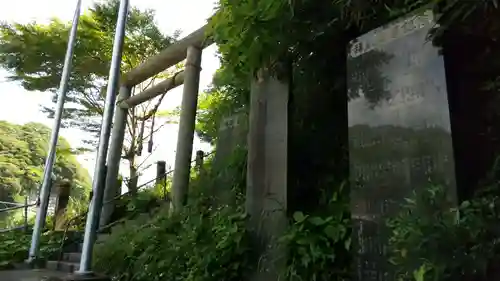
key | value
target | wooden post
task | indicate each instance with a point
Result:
(61, 204)
(200, 156)
(161, 177)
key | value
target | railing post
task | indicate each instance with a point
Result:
(187, 120)
(161, 177)
(200, 157)
(26, 214)
(61, 204)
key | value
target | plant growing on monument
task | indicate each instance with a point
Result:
(319, 245)
(33, 54)
(430, 240)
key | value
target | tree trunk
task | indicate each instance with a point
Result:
(133, 177)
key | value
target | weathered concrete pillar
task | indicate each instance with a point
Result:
(187, 120)
(112, 186)
(62, 201)
(267, 169)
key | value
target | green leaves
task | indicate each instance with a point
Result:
(34, 53)
(22, 157)
(429, 230)
(319, 245)
(195, 245)
(299, 217)
(14, 246)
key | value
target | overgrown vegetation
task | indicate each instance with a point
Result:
(319, 246)
(22, 156)
(14, 246)
(209, 240)
(305, 42)
(431, 240)
(33, 53)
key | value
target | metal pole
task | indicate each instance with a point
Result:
(26, 214)
(96, 203)
(49, 163)
(114, 157)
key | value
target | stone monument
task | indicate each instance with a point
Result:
(399, 131)
(232, 134)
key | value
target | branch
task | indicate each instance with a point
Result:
(156, 130)
(145, 159)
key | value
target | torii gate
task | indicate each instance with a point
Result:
(267, 136)
(189, 48)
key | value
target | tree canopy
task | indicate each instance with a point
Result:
(34, 53)
(23, 149)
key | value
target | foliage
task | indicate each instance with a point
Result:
(33, 53)
(283, 28)
(431, 240)
(206, 242)
(224, 98)
(23, 149)
(131, 205)
(215, 182)
(192, 245)
(202, 242)
(14, 246)
(319, 246)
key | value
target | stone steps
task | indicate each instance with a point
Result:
(62, 266)
(72, 257)
(70, 261)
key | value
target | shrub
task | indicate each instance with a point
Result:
(192, 245)
(432, 241)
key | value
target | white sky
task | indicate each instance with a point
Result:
(20, 106)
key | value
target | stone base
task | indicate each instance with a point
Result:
(85, 277)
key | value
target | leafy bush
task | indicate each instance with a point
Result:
(319, 246)
(192, 245)
(131, 205)
(14, 246)
(432, 240)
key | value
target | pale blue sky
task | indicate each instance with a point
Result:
(20, 106)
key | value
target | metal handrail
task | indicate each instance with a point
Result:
(17, 207)
(12, 229)
(66, 228)
(68, 223)
(11, 203)
(149, 182)
(25, 207)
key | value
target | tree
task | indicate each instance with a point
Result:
(23, 149)
(34, 53)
